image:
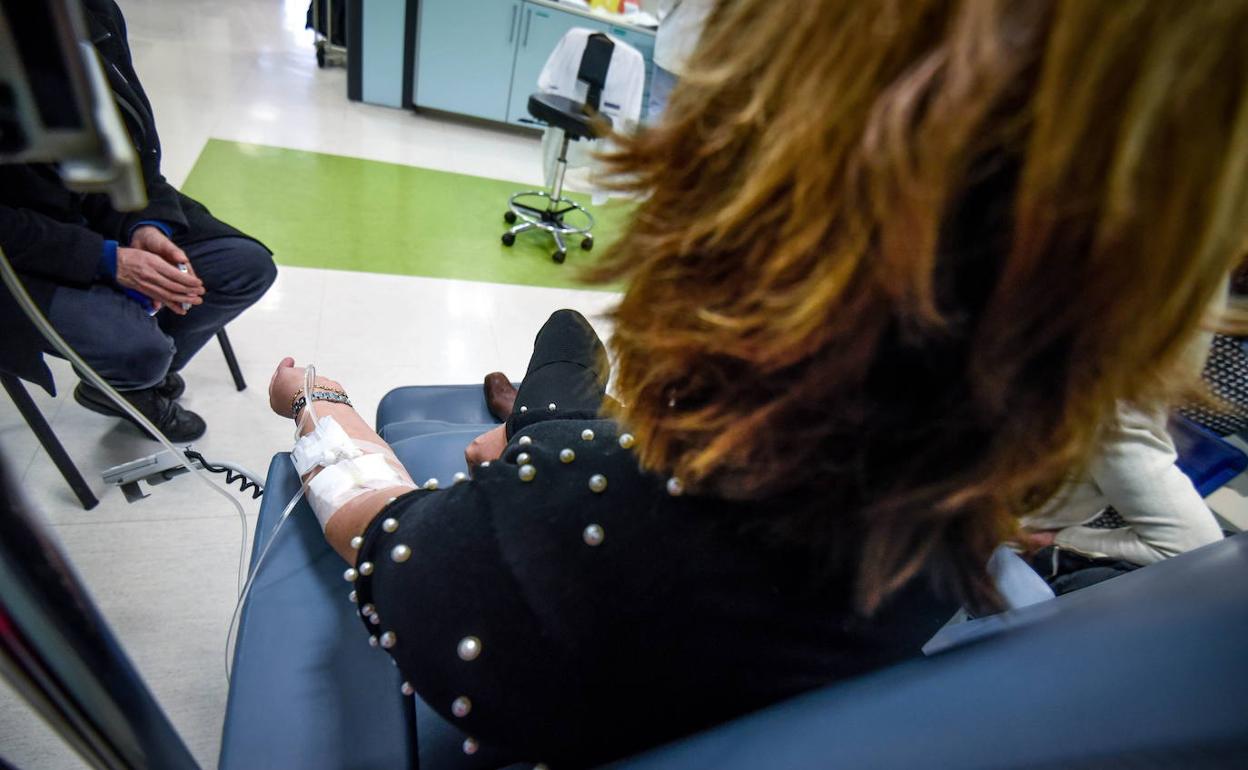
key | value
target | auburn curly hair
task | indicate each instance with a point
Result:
(897, 260)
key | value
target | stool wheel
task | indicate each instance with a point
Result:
(587, 243)
(509, 238)
(510, 217)
(559, 256)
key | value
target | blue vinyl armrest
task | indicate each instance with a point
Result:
(1207, 459)
(458, 404)
(305, 691)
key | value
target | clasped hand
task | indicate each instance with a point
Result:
(150, 266)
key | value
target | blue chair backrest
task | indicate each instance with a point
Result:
(1207, 459)
(1149, 669)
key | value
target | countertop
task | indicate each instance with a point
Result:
(614, 19)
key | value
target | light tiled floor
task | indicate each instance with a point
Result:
(163, 570)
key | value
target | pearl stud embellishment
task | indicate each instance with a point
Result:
(469, 648)
(461, 706)
(593, 535)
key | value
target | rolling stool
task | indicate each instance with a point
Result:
(550, 211)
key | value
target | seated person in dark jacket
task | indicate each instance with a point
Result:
(892, 266)
(113, 283)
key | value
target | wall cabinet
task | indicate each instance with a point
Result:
(466, 49)
(483, 57)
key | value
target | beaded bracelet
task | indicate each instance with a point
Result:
(319, 395)
(316, 389)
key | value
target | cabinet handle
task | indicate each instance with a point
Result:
(511, 31)
(528, 19)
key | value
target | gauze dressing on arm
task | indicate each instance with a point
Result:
(349, 468)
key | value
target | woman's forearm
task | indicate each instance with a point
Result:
(354, 516)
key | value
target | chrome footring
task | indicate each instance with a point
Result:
(549, 214)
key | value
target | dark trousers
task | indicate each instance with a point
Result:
(132, 350)
(568, 369)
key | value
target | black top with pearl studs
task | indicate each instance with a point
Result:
(566, 375)
(572, 609)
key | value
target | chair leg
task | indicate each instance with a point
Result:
(51, 444)
(228, 350)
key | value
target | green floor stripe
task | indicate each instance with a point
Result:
(330, 211)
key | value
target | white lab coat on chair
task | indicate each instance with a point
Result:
(620, 100)
(680, 28)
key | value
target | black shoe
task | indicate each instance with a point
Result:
(176, 423)
(173, 386)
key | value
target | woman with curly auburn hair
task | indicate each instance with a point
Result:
(896, 264)
(903, 259)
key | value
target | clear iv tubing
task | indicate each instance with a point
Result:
(309, 377)
(18, 290)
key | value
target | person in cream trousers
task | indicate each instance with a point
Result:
(1136, 474)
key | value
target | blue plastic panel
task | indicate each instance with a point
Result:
(464, 56)
(381, 43)
(1208, 460)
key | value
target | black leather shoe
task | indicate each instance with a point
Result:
(173, 386)
(176, 423)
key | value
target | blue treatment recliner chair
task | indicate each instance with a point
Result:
(1209, 460)
(1149, 669)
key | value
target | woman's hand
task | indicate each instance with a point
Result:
(487, 446)
(287, 381)
(1032, 540)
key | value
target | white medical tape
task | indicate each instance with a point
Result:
(349, 468)
(327, 444)
(340, 483)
